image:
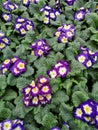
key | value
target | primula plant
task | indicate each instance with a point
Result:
(49, 65)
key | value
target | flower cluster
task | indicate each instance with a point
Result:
(58, 128)
(70, 2)
(15, 65)
(50, 14)
(22, 25)
(9, 7)
(80, 15)
(40, 48)
(65, 33)
(60, 69)
(87, 57)
(27, 2)
(4, 41)
(37, 93)
(87, 112)
(16, 124)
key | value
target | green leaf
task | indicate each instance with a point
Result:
(11, 80)
(66, 112)
(94, 37)
(49, 121)
(30, 127)
(28, 72)
(55, 84)
(20, 110)
(60, 97)
(58, 47)
(31, 59)
(9, 95)
(76, 67)
(7, 52)
(3, 83)
(22, 82)
(5, 113)
(67, 85)
(79, 97)
(95, 90)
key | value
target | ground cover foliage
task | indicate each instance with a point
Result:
(69, 91)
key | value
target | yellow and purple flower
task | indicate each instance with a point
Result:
(50, 14)
(37, 93)
(40, 48)
(7, 17)
(22, 25)
(12, 125)
(65, 33)
(70, 2)
(87, 57)
(80, 15)
(9, 6)
(4, 41)
(60, 69)
(55, 128)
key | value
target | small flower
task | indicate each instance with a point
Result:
(55, 128)
(10, 6)
(27, 90)
(35, 101)
(18, 127)
(43, 80)
(7, 125)
(81, 58)
(70, 2)
(80, 15)
(53, 73)
(2, 45)
(7, 17)
(78, 113)
(63, 70)
(87, 119)
(46, 89)
(35, 91)
(67, 125)
(48, 98)
(46, 20)
(26, 2)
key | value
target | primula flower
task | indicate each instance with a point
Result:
(9, 6)
(55, 128)
(70, 2)
(87, 57)
(67, 125)
(15, 65)
(40, 48)
(60, 69)
(22, 25)
(80, 15)
(4, 41)
(12, 125)
(87, 112)
(7, 17)
(50, 14)
(37, 93)
(65, 33)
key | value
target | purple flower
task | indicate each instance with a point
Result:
(10, 6)
(55, 128)
(23, 25)
(40, 48)
(4, 41)
(43, 80)
(63, 71)
(7, 17)
(7, 125)
(35, 91)
(27, 90)
(35, 101)
(80, 15)
(67, 125)
(53, 73)
(70, 2)
(78, 113)
(46, 89)
(26, 2)
(87, 57)
(18, 127)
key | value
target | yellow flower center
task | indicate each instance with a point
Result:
(21, 66)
